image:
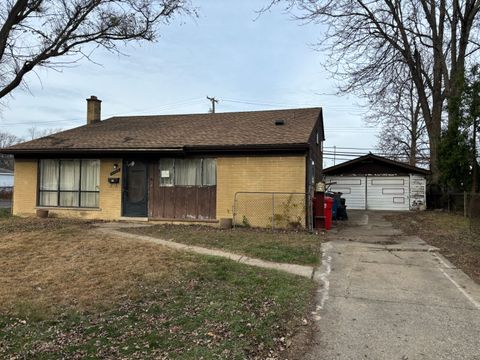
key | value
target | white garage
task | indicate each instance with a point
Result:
(6, 178)
(375, 183)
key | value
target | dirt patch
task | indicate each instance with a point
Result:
(449, 232)
(302, 338)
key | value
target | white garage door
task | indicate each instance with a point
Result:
(6, 180)
(380, 193)
(388, 193)
(352, 188)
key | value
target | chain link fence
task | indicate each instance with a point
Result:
(466, 204)
(275, 210)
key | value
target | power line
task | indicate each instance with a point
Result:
(172, 105)
(269, 104)
(163, 107)
(275, 104)
(362, 154)
(38, 122)
(349, 148)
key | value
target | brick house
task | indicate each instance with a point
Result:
(170, 167)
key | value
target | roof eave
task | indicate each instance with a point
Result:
(185, 149)
(251, 147)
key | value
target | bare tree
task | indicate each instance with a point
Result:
(372, 42)
(36, 33)
(6, 140)
(404, 135)
(35, 133)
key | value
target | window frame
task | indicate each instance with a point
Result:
(174, 175)
(58, 191)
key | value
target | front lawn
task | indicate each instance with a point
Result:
(285, 247)
(449, 232)
(69, 292)
(5, 213)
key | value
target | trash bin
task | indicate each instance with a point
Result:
(319, 210)
(336, 196)
(328, 212)
(342, 210)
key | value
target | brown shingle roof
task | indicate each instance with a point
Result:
(220, 130)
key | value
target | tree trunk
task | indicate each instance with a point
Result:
(434, 138)
(413, 149)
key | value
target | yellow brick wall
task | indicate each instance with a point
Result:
(255, 173)
(25, 187)
(234, 174)
(25, 193)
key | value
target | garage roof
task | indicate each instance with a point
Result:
(373, 164)
(6, 171)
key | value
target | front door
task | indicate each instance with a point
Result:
(135, 189)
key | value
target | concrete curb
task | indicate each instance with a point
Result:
(300, 270)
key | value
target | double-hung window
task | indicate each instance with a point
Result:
(69, 183)
(188, 172)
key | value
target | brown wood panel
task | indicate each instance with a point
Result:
(213, 202)
(168, 202)
(191, 201)
(203, 197)
(153, 167)
(183, 202)
(180, 202)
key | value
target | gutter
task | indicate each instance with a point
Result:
(179, 150)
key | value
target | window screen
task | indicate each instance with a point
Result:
(90, 180)
(49, 182)
(188, 172)
(167, 171)
(209, 172)
(69, 183)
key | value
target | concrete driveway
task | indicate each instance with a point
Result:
(385, 295)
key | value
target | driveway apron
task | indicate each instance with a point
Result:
(385, 295)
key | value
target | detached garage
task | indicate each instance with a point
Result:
(373, 182)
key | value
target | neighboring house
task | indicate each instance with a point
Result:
(376, 183)
(170, 167)
(6, 178)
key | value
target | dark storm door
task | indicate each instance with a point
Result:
(135, 190)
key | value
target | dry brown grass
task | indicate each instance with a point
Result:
(51, 265)
(68, 292)
(449, 232)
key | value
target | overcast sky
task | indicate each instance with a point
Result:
(248, 64)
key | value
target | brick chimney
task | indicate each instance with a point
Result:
(94, 112)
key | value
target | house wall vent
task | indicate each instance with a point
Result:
(280, 122)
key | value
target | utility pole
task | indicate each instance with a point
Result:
(474, 162)
(334, 154)
(214, 101)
